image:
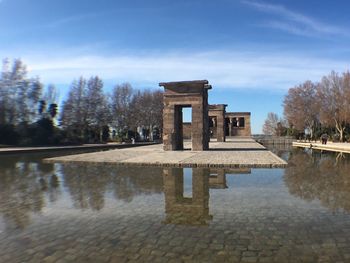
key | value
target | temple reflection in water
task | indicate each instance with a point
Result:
(186, 210)
(54, 211)
(194, 210)
(28, 186)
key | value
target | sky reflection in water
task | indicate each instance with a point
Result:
(81, 212)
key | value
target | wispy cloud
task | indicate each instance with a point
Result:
(104, 13)
(70, 19)
(224, 69)
(294, 22)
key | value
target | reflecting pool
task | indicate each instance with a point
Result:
(106, 213)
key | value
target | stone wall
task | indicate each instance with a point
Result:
(238, 124)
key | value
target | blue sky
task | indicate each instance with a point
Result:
(250, 51)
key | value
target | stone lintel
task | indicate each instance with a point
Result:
(194, 86)
(217, 107)
(185, 95)
(237, 114)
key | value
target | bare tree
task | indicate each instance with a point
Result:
(121, 106)
(148, 109)
(301, 107)
(334, 95)
(19, 94)
(98, 114)
(271, 123)
(51, 94)
(73, 115)
(157, 105)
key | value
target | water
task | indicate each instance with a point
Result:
(106, 213)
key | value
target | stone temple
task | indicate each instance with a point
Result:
(237, 124)
(185, 94)
(208, 121)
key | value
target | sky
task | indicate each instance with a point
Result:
(250, 51)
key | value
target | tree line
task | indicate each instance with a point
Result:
(314, 108)
(31, 115)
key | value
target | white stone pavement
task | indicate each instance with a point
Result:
(330, 146)
(242, 152)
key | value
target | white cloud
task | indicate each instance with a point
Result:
(294, 22)
(224, 69)
(66, 20)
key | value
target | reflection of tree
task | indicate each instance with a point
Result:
(133, 181)
(54, 188)
(22, 189)
(281, 150)
(88, 184)
(316, 177)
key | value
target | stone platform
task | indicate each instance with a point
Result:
(233, 153)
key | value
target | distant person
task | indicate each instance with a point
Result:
(324, 138)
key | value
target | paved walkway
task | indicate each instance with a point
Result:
(330, 146)
(233, 153)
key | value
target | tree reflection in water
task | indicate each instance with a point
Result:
(23, 185)
(27, 185)
(312, 175)
(88, 184)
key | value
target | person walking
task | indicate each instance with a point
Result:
(324, 138)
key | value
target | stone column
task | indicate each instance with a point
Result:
(247, 125)
(206, 132)
(169, 127)
(230, 127)
(199, 141)
(220, 130)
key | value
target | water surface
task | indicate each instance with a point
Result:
(106, 213)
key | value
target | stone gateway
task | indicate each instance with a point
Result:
(179, 95)
(208, 121)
